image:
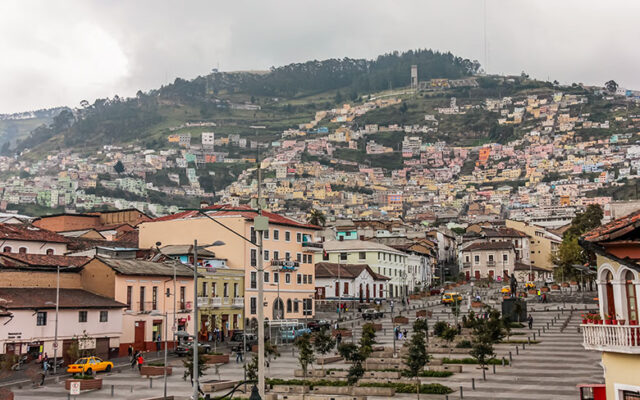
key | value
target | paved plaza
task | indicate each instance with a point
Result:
(547, 370)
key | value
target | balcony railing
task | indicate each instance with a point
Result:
(238, 302)
(204, 302)
(316, 245)
(216, 302)
(466, 265)
(491, 263)
(146, 306)
(612, 338)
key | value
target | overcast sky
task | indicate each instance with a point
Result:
(56, 53)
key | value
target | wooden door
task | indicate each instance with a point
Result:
(138, 342)
(467, 275)
(491, 274)
(368, 293)
(477, 274)
(102, 348)
(611, 305)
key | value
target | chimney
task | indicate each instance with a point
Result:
(204, 204)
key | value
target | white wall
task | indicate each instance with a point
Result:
(33, 247)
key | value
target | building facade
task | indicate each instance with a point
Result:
(343, 282)
(493, 260)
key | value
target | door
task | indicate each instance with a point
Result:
(138, 342)
(477, 275)
(368, 293)
(337, 289)
(361, 293)
(491, 274)
(102, 348)
(467, 275)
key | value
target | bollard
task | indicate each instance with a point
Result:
(461, 393)
(538, 331)
(523, 346)
(534, 336)
(131, 389)
(150, 383)
(529, 339)
(68, 396)
(112, 390)
(494, 369)
(510, 358)
(543, 329)
(473, 383)
(503, 361)
(517, 351)
(484, 376)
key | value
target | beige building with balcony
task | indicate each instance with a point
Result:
(494, 260)
(617, 246)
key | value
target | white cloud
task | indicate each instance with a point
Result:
(58, 53)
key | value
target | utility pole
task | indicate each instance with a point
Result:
(196, 328)
(55, 334)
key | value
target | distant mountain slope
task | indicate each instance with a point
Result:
(15, 127)
(149, 115)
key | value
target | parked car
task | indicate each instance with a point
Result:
(318, 324)
(88, 365)
(237, 340)
(451, 297)
(370, 314)
(290, 333)
(185, 348)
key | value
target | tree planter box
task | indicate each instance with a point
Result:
(477, 304)
(148, 370)
(532, 291)
(328, 360)
(565, 284)
(421, 314)
(401, 320)
(85, 384)
(376, 327)
(217, 359)
(343, 332)
(555, 287)
(545, 289)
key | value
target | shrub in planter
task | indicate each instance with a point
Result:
(401, 320)
(464, 344)
(217, 358)
(545, 289)
(153, 370)
(439, 328)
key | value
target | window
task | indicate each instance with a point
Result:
(214, 286)
(476, 259)
(287, 256)
(235, 290)
(154, 297)
(325, 256)
(307, 306)
(343, 256)
(49, 252)
(254, 280)
(225, 290)
(204, 289)
(276, 255)
(266, 277)
(7, 249)
(254, 305)
(142, 298)
(183, 295)
(299, 237)
(265, 234)
(288, 305)
(276, 234)
(254, 257)
(266, 255)
(287, 278)
(310, 278)
(296, 307)
(362, 255)
(466, 259)
(104, 316)
(41, 318)
(378, 256)
(276, 277)
(304, 279)
(346, 288)
(129, 296)
(82, 316)
(22, 250)
(287, 236)
(490, 258)
(253, 235)
(299, 279)
(298, 257)
(505, 257)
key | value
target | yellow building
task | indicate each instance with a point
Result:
(542, 243)
(288, 261)
(618, 276)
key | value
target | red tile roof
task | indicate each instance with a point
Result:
(503, 232)
(29, 233)
(229, 210)
(45, 260)
(614, 229)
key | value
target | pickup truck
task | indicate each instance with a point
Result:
(185, 348)
(237, 340)
(317, 325)
(371, 314)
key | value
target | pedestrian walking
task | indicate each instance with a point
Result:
(338, 339)
(544, 297)
(239, 351)
(530, 320)
(158, 346)
(405, 333)
(130, 352)
(140, 360)
(134, 359)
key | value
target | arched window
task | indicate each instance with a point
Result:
(7, 249)
(288, 305)
(22, 250)
(49, 252)
(632, 297)
(611, 305)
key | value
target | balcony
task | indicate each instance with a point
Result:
(146, 306)
(466, 265)
(238, 302)
(203, 302)
(612, 338)
(216, 302)
(314, 245)
(491, 263)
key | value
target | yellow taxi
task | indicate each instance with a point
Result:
(449, 298)
(88, 365)
(505, 290)
(529, 285)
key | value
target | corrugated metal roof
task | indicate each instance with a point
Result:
(140, 267)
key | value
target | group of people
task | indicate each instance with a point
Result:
(135, 357)
(542, 297)
(216, 335)
(400, 335)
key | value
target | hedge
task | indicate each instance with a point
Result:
(492, 361)
(431, 388)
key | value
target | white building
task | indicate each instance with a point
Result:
(349, 282)
(208, 140)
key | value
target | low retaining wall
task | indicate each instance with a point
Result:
(382, 374)
(149, 370)
(328, 360)
(216, 359)
(212, 387)
(85, 384)
(445, 367)
(343, 332)
(312, 373)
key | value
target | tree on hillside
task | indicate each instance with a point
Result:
(316, 217)
(611, 86)
(119, 167)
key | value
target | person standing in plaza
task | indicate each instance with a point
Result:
(140, 361)
(530, 320)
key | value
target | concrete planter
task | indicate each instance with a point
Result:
(477, 304)
(373, 391)
(343, 332)
(555, 287)
(545, 289)
(85, 384)
(532, 291)
(401, 320)
(445, 367)
(216, 386)
(217, 359)
(421, 314)
(148, 370)
(328, 360)
(311, 373)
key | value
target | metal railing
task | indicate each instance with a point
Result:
(238, 302)
(611, 338)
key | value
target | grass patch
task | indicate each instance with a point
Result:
(470, 360)
(432, 388)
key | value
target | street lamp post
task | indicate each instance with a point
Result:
(165, 315)
(55, 337)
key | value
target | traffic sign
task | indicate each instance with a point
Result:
(74, 389)
(55, 345)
